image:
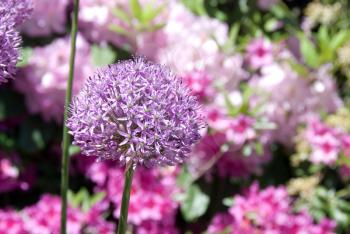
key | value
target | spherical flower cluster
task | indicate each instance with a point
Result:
(47, 18)
(12, 13)
(43, 81)
(268, 211)
(20, 10)
(259, 53)
(135, 110)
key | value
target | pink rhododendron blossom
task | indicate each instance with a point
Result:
(11, 177)
(290, 98)
(151, 195)
(268, 211)
(166, 226)
(240, 129)
(200, 84)
(260, 53)
(231, 162)
(11, 222)
(216, 117)
(43, 81)
(47, 18)
(152, 191)
(220, 223)
(324, 142)
(44, 217)
(197, 40)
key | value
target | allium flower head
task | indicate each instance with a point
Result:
(12, 13)
(9, 46)
(135, 110)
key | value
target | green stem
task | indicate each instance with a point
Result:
(123, 220)
(66, 137)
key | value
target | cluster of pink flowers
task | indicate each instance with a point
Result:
(326, 143)
(267, 211)
(11, 176)
(290, 97)
(44, 218)
(43, 81)
(152, 205)
(227, 147)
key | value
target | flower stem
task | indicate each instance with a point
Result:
(66, 137)
(123, 220)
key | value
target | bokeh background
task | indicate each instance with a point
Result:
(272, 76)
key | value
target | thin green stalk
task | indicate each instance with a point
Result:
(123, 220)
(66, 137)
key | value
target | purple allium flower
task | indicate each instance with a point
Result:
(12, 13)
(9, 45)
(135, 110)
(19, 10)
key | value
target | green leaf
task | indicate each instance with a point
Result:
(102, 55)
(309, 52)
(117, 29)
(122, 15)
(247, 150)
(73, 150)
(232, 110)
(259, 149)
(34, 134)
(339, 39)
(184, 179)
(299, 68)
(197, 6)
(195, 203)
(150, 12)
(97, 198)
(156, 27)
(228, 201)
(270, 24)
(232, 38)
(136, 9)
(26, 53)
